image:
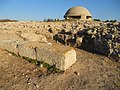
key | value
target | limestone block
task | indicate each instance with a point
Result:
(60, 56)
(10, 45)
(33, 37)
(27, 51)
(70, 58)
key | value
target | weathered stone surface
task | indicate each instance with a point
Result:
(33, 37)
(27, 50)
(105, 40)
(10, 45)
(62, 58)
(101, 37)
(70, 58)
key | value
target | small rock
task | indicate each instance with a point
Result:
(15, 76)
(13, 65)
(36, 85)
(26, 76)
(28, 70)
(77, 73)
(34, 70)
(10, 54)
(28, 83)
(50, 43)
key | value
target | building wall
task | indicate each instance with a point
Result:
(83, 17)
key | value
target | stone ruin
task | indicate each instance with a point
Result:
(103, 39)
(33, 40)
(25, 40)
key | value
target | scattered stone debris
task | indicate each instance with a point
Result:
(91, 71)
(94, 36)
(104, 40)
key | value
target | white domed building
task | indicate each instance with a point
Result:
(78, 12)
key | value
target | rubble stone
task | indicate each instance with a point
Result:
(95, 36)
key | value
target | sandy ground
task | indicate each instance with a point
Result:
(90, 72)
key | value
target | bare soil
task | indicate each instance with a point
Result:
(90, 72)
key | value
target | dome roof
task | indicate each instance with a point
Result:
(77, 11)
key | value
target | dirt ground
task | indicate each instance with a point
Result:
(90, 72)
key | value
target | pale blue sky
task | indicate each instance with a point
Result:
(40, 9)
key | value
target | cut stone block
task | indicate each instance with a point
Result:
(60, 56)
(70, 58)
(33, 37)
(10, 45)
(27, 51)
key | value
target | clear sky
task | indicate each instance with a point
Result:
(41, 9)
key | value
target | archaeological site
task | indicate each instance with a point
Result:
(77, 53)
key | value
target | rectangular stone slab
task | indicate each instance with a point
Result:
(60, 56)
(54, 54)
(10, 45)
(26, 50)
